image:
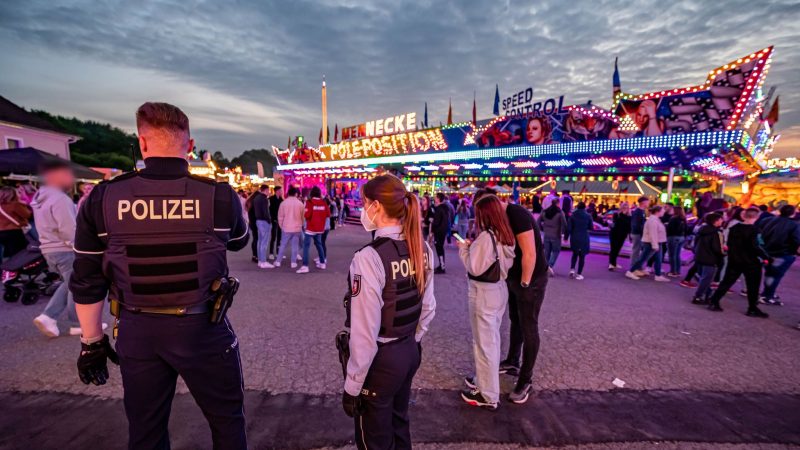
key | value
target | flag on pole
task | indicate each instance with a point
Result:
(617, 85)
(474, 110)
(496, 108)
(450, 113)
(426, 115)
(772, 116)
(336, 133)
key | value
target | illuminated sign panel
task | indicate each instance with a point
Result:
(522, 103)
(673, 128)
(788, 163)
(395, 124)
(395, 144)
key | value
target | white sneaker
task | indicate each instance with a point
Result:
(303, 269)
(611, 267)
(631, 275)
(272, 257)
(551, 271)
(276, 264)
(578, 277)
(322, 266)
(294, 265)
(48, 326)
(572, 273)
(619, 267)
(76, 331)
(299, 258)
(316, 260)
(662, 278)
(265, 265)
(641, 273)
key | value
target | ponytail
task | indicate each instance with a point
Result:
(412, 229)
(398, 203)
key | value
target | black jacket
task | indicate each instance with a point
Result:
(781, 235)
(638, 218)
(274, 204)
(441, 219)
(708, 249)
(676, 226)
(745, 246)
(261, 207)
(621, 226)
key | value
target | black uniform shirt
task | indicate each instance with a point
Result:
(88, 283)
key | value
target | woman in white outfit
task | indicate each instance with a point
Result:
(487, 260)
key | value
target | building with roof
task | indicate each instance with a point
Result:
(20, 129)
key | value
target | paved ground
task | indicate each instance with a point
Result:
(595, 330)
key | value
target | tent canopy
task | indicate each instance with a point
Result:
(26, 161)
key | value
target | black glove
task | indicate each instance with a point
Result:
(350, 404)
(92, 366)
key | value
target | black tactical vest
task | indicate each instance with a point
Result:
(402, 303)
(161, 247)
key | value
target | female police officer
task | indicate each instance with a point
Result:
(391, 305)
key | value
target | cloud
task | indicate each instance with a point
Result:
(251, 74)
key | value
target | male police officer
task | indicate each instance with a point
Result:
(156, 239)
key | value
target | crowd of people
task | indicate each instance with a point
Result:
(46, 217)
(718, 245)
(279, 221)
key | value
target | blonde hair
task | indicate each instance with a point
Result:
(398, 203)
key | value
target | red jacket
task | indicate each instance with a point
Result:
(317, 212)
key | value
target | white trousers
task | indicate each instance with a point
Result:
(487, 306)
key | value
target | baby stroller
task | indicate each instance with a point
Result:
(26, 275)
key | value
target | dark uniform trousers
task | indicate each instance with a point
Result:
(752, 279)
(384, 422)
(154, 350)
(524, 305)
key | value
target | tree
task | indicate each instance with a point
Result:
(220, 160)
(248, 160)
(101, 145)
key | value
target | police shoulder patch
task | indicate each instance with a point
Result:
(355, 287)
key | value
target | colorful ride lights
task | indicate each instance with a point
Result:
(594, 111)
(525, 164)
(559, 163)
(431, 168)
(449, 166)
(764, 59)
(642, 160)
(497, 165)
(601, 161)
(717, 166)
(413, 168)
(472, 166)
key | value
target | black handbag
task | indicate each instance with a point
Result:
(492, 274)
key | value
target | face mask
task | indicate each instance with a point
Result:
(366, 222)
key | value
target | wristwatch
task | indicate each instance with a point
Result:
(524, 284)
